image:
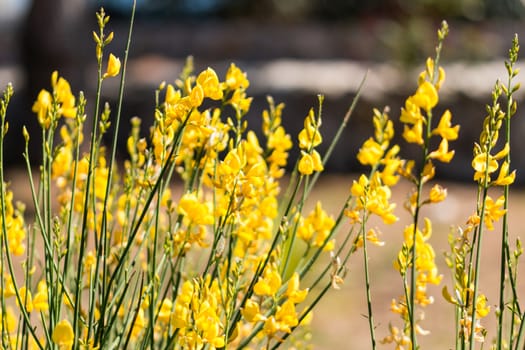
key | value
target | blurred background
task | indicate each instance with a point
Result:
(292, 50)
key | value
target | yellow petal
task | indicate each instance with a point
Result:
(113, 67)
(63, 334)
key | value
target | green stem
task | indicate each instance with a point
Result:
(521, 332)
(290, 241)
(86, 205)
(479, 239)
(116, 130)
(367, 283)
(339, 132)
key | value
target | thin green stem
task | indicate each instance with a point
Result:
(367, 283)
(87, 197)
(111, 165)
(290, 241)
(505, 256)
(476, 271)
(339, 132)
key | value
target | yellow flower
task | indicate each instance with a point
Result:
(210, 84)
(172, 95)
(493, 211)
(165, 310)
(239, 101)
(196, 96)
(483, 163)
(482, 309)
(42, 107)
(359, 187)
(139, 324)
(442, 153)
(320, 224)
(503, 152)
(310, 136)
(292, 291)
(251, 312)
(437, 194)
(63, 335)
(429, 171)
(411, 113)
(9, 287)
(197, 212)
(430, 69)
(380, 206)
(236, 78)
(62, 89)
(287, 316)
(40, 302)
(61, 97)
(269, 284)
(414, 134)
(400, 339)
(504, 178)
(444, 129)
(9, 322)
(113, 68)
(61, 165)
(271, 326)
(370, 153)
(426, 96)
(372, 237)
(310, 163)
(279, 139)
(207, 321)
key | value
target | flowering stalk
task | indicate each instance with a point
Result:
(415, 261)
(372, 193)
(485, 164)
(509, 90)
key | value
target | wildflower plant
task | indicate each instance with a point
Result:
(465, 256)
(416, 259)
(129, 262)
(192, 243)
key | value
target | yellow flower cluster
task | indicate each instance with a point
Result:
(425, 267)
(315, 229)
(485, 162)
(471, 304)
(13, 225)
(309, 138)
(416, 259)
(372, 193)
(417, 114)
(50, 106)
(286, 316)
(278, 141)
(227, 210)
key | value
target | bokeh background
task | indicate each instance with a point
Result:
(294, 50)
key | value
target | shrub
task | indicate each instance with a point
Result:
(118, 257)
